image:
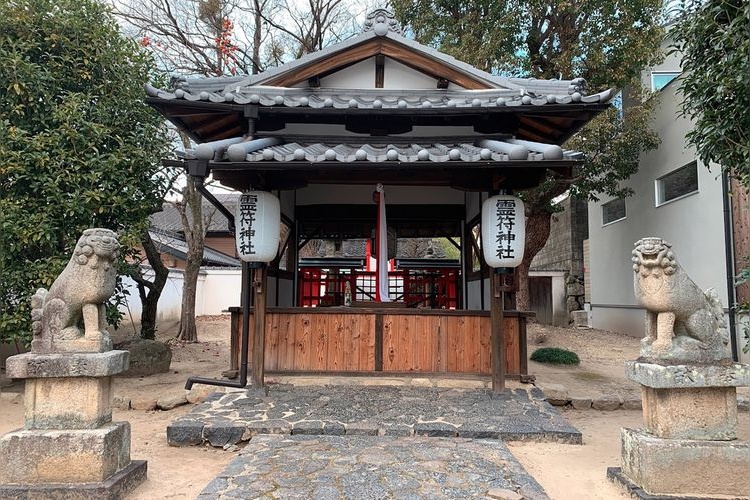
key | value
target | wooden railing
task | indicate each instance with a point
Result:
(362, 340)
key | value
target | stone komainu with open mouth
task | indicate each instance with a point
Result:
(683, 323)
(71, 315)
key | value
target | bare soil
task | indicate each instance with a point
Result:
(565, 471)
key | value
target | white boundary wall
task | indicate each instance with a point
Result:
(217, 290)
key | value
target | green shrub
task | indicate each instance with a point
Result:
(555, 356)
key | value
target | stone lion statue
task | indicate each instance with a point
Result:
(71, 316)
(683, 323)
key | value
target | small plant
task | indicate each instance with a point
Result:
(555, 356)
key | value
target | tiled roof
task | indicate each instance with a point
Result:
(543, 94)
(410, 150)
(503, 91)
(173, 244)
(169, 218)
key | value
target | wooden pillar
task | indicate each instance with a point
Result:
(497, 338)
(260, 287)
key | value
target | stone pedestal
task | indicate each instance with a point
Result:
(69, 446)
(689, 445)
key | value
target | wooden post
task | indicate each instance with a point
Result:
(259, 310)
(497, 337)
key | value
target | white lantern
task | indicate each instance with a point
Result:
(258, 226)
(503, 231)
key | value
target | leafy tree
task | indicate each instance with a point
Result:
(216, 38)
(607, 42)
(713, 38)
(79, 147)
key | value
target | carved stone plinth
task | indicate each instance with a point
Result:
(65, 456)
(67, 391)
(685, 467)
(689, 445)
(69, 446)
(689, 401)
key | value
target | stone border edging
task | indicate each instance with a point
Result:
(557, 395)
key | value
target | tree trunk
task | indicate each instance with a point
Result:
(150, 294)
(193, 226)
(537, 231)
(257, 39)
(188, 330)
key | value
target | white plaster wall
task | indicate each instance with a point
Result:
(170, 300)
(694, 225)
(399, 76)
(316, 194)
(217, 289)
(395, 76)
(356, 76)
(221, 289)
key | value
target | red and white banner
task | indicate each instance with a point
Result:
(381, 242)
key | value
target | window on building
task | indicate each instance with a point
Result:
(677, 183)
(612, 211)
(660, 79)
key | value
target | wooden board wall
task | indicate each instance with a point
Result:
(741, 219)
(409, 342)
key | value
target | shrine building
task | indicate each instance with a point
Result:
(320, 133)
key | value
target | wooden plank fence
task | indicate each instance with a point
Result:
(358, 340)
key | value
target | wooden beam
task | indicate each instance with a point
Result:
(378, 342)
(403, 54)
(424, 64)
(348, 57)
(260, 287)
(379, 71)
(524, 133)
(497, 338)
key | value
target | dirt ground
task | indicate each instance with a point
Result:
(565, 471)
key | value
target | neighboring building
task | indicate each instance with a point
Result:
(676, 198)
(168, 234)
(556, 277)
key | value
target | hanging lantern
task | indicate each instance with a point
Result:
(258, 226)
(503, 231)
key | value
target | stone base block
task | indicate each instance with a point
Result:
(685, 376)
(100, 343)
(685, 467)
(616, 475)
(64, 456)
(580, 319)
(68, 403)
(116, 487)
(692, 413)
(33, 365)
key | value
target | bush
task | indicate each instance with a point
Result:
(79, 146)
(555, 356)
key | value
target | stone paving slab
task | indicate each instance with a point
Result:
(518, 414)
(367, 467)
